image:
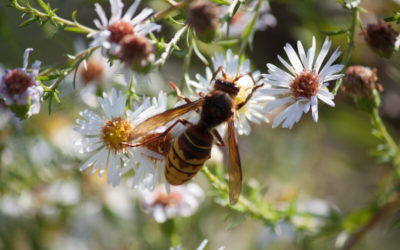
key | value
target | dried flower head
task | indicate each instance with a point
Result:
(202, 16)
(20, 90)
(381, 38)
(136, 50)
(360, 81)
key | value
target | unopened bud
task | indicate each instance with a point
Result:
(381, 38)
(360, 81)
(202, 17)
(136, 50)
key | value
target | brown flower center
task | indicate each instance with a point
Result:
(115, 132)
(118, 30)
(164, 199)
(304, 85)
(93, 72)
(18, 81)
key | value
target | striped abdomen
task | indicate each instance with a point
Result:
(187, 155)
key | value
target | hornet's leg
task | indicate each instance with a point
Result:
(179, 93)
(254, 88)
(220, 69)
(218, 137)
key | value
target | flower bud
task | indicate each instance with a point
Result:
(381, 38)
(360, 81)
(202, 17)
(136, 50)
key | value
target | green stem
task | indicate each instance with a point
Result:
(350, 46)
(76, 61)
(380, 126)
(40, 14)
(243, 202)
(249, 31)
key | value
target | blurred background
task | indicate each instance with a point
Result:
(47, 203)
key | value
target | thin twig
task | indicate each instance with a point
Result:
(382, 214)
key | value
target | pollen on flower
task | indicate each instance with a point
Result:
(304, 85)
(119, 30)
(241, 97)
(115, 132)
(18, 82)
(93, 71)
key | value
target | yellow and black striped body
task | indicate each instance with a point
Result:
(187, 155)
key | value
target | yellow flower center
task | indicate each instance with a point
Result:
(115, 132)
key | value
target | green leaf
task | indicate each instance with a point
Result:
(44, 6)
(228, 42)
(334, 33)
(28, 22)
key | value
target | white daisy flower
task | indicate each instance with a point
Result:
(112, 31)
(299, 89)
(105, 135)
(182, 201)
(252, 111)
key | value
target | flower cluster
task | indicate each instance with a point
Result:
(125, 36)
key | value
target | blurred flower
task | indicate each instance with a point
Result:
(182, 201)
(360, 81)
(96, 73)
(20, 89)
(200, 247)
(114, 30)
(245, 14)
(303, 86)
(202, 17)
(252, 111)
(381, 38)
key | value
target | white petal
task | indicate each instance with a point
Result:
(293, 58)
(116, 10)
(102, 15)
(146, 28)
(314, 108)
(131, 11)
(142, 16)
(311, 54)
(26, 57)
(287, 65)
(322, 54)
(277, 103)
